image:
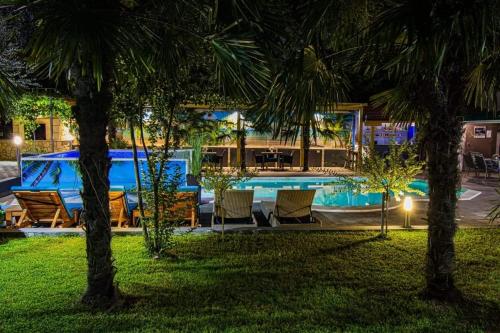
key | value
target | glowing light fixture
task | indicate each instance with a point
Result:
(407, 206)
(17, 140)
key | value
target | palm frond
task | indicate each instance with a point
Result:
(89, 33)
(303, 88)
(240, 66)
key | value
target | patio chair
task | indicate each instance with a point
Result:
(292, 206)
(485, 165)
(185, 207)
(259, 159)
(118, 207)
(286, 159)
(271, 157)
(236, 208)
(469, 164)
(44, 206)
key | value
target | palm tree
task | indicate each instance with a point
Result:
(307, 76)
(82, 40)
(432, 49)
(295, 96)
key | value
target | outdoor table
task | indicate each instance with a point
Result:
(274, 154)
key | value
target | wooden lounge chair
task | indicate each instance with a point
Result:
(291, 206)
(44, 206)
(236, 207)
(118, 207)
(186, 207)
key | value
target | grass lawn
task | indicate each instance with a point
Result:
(308, 281)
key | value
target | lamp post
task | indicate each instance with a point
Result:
(18, 141)
(407, 206)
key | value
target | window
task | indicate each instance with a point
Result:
(5, 130)
(40, 133)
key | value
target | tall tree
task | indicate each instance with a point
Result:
(432, 49)
(308, 76)
(81, 40)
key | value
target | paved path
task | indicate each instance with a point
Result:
(8, 169)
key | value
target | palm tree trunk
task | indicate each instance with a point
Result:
(240, 143)
(306, 144)
(92, 115)
(242, 140)
(443, 136)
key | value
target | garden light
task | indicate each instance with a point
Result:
(407, 206)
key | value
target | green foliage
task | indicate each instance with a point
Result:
(118, 143)
(160, 197)
(159, 190)
(29, 107)
(390, 175)
(306, 85)
(333, 127)
(219, 181)
(393, 173)
(196, 142)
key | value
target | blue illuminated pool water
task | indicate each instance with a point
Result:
(265, 188)
(61, 170)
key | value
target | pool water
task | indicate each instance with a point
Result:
(266, 188)
(61, 170)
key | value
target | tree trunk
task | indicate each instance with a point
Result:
(242, 140)
(136, 168)
(443, 136)
(92, 112)
(382, 214)
(112, 131)
(306, 144)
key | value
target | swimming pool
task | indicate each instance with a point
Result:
(266, 188)
(61, 169)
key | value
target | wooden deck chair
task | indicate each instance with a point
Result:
(44, 206)
(186, 208)
(118, 207)
(237, 206)
(290, 206)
